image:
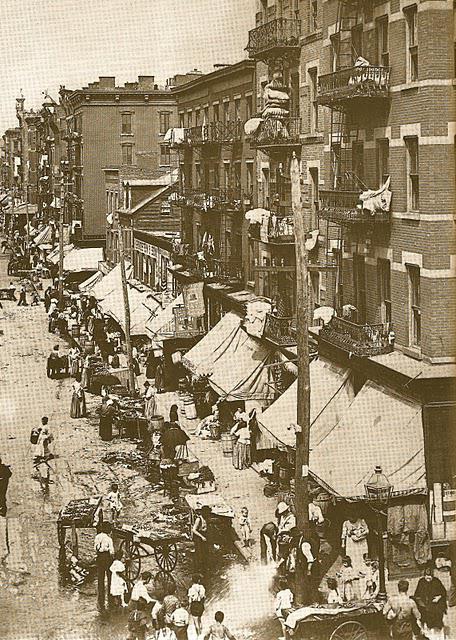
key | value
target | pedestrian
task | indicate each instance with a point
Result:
(347, 577)
(159, 376)
(200, 532)
(241, 447)
(402, 613)
(22, 297)
(12, 291)
(104, 548)
(179, 622)
(286, 522)
(196, 598)
(354, 541)
(170, 604)
(78, 407)
(86, 373)
(35, 298)
(150, 403)
(118, 587)
(245, 527)
(139, 591)
(174, 413)
(138, 621)
(217, 630)
(174, 442)
(114, 503)
(107, 412)
(283, 603)
(431, 598)
(5, 475)
(268, 543)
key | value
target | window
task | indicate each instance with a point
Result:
(197, 117)
(164, 121)
(249, 106)
(359, 285)
(415, 305)
(412, 43)
(358, 160)
(315, 287)
(249, 176)
(237, 109)
(127, 154)
(237, 176)
(334, 51)
(313, 15)
(357, 41)
(216, 176)
(313, 104)
(314, 196)
(384, 289)
(126, 123)
(206, 115)
(382, 161)
(226, 175)
(198, 174)
(189, 119)
(382, 42)
(413, 185)
(182, 120)
(216, 111)
(226, 112)
(165, 155)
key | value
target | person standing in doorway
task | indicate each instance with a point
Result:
(104, 548)
(5, 475)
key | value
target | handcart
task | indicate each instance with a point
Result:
(82, 513)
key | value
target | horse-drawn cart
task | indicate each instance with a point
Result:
(354, 621)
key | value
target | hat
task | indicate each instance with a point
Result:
(282, 507)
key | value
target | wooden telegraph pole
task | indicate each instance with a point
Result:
(302, 343)
(123, 273)
(62, 204)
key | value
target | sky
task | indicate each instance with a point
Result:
(48, 43)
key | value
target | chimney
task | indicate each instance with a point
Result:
(146, 82)
(107, 82)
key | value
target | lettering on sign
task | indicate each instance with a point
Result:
(144, 247)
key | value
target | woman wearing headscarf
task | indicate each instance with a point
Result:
(431, 599)
(174, 442)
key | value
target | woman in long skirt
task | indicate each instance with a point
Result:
(150, 406)
(78, 402)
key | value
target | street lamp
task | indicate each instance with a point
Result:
(378, 491)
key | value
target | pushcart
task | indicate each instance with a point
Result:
(354, 621)
(82, 513)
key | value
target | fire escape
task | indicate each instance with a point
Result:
(353, 91)
(276, 131)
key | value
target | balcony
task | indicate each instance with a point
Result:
(279, 330)
(214, 133)
(354, 82)
(280, 230)
(274, 38)
(362, 340)
(345, 208)
(277, 133)
(212, 269)
(212, 199)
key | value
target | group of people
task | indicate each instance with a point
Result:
(156, 613)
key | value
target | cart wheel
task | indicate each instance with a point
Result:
(351, 630)
(164, 582)
(132, 560)
(166, 556)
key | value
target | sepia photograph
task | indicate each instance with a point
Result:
(228, 320)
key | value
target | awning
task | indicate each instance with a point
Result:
(112, 281)
(200, 359)
(44, 236)
(161, 324)
(331, 393)
(382, 428)
(53, 257)
(142, 305)
(87, 285)
(86, 259)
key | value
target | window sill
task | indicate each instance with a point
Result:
(312, 37)
(413, 352)
(312, 138)
(411, 85)
(407, 215)
(127, 135)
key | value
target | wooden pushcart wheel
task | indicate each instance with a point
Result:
(351, 630)
(164, 582)
(132, 560)
(166, 556)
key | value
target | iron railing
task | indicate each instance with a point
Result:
(280, 230)
(354, 82)
(280, 330)
(280, 33)
(213, 198)
(214, 132)
(363, 340)
(211, 268)
(345, 207)
(277, 132)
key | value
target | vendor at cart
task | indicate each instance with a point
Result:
(286, 523)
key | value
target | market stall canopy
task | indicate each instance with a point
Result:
(44, 236)
(112, 281)
(382, 428)
(53, 257)
(331, 393)
(87, 285)
(200, 359)
(142, 305)
(161, 324)
(85, 259)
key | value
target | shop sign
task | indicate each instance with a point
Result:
(144, 247)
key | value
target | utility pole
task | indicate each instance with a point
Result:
(123, 274)
(27, 222)
(303, 402)
(62, 204)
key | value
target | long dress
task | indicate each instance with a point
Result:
(78, 403)
(150, 406)
(118, 584)
(354, 537)
(432, 613)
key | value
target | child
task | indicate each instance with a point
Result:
(35, 298)
(367, 582)
(196, 598)
(218, 631)
(283, 603)
(347, 576)
(118, 584)
(137, 621)
(114, 503)
(333, 596)
(245, 527)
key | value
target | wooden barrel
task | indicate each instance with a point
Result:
(89, 347)
(190, 409)
(184, 397)
(227, 444)
(156, 423)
